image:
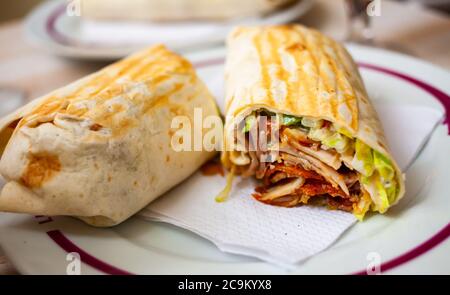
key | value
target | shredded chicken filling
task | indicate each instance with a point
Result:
(302, 173)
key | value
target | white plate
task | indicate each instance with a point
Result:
(50, 27)
(411, 238)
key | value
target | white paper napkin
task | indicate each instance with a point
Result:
(283, 236)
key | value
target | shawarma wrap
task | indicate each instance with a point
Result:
(100, 149)
(329, 147)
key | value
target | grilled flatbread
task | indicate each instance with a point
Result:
(100, 148)
(305, 88)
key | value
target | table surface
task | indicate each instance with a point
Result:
(403, 27)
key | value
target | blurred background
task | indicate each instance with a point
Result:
(46, 44)
(11, 9)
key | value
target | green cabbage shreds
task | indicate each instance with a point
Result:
(291, 120)
(312, 123)
(345, 132)
(330, 138)
(363, 159)
(337, 141)
(382, 195)
(377, 192)
(383, 165)
(319, 134)
(249, 121)
(391, 191)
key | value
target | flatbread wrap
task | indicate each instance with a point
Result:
(100, 149)
(300, 94)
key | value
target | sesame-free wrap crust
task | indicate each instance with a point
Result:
(100, 148)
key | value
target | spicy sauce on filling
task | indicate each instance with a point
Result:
(315, 190)
(212, 167)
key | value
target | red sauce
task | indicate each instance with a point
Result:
(326, 124)
(212, 167)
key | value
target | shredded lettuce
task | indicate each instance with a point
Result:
(319, 134)
(290, 120)
(223, 195)
(345, 132)
(249, 122)
(360, 209)
(383, 165)
(378, 175)
(337, 141)
(312, 123)
(330, 139)
(363, 159)
(382, 196)
(391, 191)
(377, 192)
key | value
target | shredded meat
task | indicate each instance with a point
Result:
(304, 174)
(252, 144)
(340, 204)
(290, 171)
(311, 163)
(300, 136)
(314, 189)
(254, 162)
(262, 168)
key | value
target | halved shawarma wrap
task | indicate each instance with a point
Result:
(100, 148)
(329, 147)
